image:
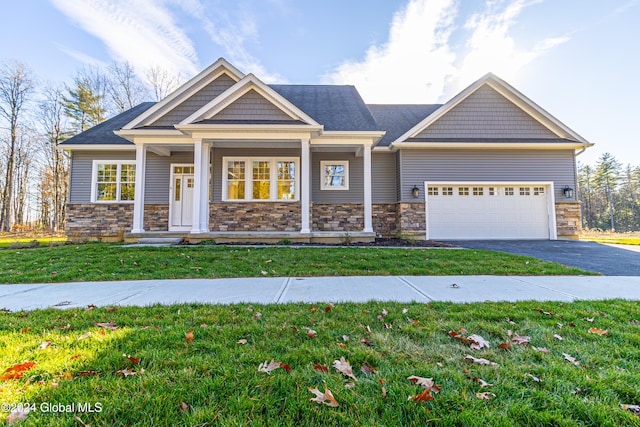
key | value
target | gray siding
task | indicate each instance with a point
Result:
(156, 184)
(355, 194)
(383, 178)
(487, 165)
(218, 153)
(251, 106)
(195, 101)
(81, 170)
(486, 114)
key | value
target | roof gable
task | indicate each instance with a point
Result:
(490, 108)
(236, 104)
(220, 68)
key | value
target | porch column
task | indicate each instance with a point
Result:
(200, 213)
(138, 197)
(368, 207)
(305, 188)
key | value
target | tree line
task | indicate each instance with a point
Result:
(36, 116)
(610, 195)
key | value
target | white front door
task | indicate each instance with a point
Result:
(181, 193)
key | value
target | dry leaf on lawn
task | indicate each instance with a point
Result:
(321, 368)
(267, 367)
(422, 396)
(242, 341)
(571, 359)
(344, 368)
(486, 395)
(18, 414)
(384, 389)
(505, 345)
(185, 407)
(107, 325)
(520, 339)
(599, 331)
(311, 333)
(471, 359)
(129, 372)
(324, 398)
(533, 377)
(45, 345)
(132, 359)
(633, 408)
(17, 371)
(366, 369)
(188, 337)
(84, 336)
(558, 337)
(478, 342)
(427, 383)
(482, 382)
(541, 349)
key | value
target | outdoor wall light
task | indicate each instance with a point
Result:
(568, 192)
(415, 192)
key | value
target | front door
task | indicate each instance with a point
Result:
(181, 194)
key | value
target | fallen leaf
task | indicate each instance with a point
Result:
(454, 285)
(589, 319)
(349, 385)
(541, 349)
(478, 342)
(324, 398)
(559, 325)
(440, 364)
(413, 322)
(321, 368)
(242, 341)
(422, 396)
(520, 339)
(81, 422)
(366, 341)
(88, 374)
(84, 336)
(460, 337)
(633, 408)
(510, 321)
(558, 337)
(267, 367)
(77, 356)
(311, 333)
(344, 368)
(264, 273)
(571, 359)
(45, 345)
(427, 383)
(366, 369)
(405, 310)
(314, 309)
(482, 382)
(471, 359)
(505, 345)
(132, 359)
(17, 371)
(329, 307)
(546, 313)
(189, 336)
(268, 261)
(107, 325)
(112, 309)
(599, 331)
(486, 395)
(286, 367)
(341, 345)
(129, 372)
(24, 330)
(384, 389)
(185, 407)
(533, 377)
(91, 307)
(62, 303)
(345, 338)
(18, 414)
(387, 326)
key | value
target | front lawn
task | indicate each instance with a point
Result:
(567, 364)
(100, 261)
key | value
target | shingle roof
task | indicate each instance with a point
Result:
(396, 119)
(335, 107)
(103, 133)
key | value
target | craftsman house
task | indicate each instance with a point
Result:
(230, 158)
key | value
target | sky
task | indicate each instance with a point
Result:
(577, 59)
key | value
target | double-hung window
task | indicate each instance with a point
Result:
(334, 175)
(113, 181)
(260, 178)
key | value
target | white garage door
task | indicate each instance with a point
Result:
(488, 211)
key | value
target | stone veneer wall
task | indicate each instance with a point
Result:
(412, 219)
(99, 219)
(385, 217)
(337, 217)
(156, 217)
(265, 216)
(568, 220)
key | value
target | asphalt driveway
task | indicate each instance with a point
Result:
(610, 260)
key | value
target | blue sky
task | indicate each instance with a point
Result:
(578, 59)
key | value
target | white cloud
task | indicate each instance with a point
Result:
(414, 64)
(83, 57)
(420, 64)
(141, 32)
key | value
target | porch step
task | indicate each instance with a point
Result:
(160, 240)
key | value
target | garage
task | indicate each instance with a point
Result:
(481, 210)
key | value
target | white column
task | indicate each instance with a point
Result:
(200, 218)
(305, 188)
(138, 200)
(368, 206)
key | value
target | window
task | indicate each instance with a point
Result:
(508, 191)
(525, 191)
(492, 191)
(538, 191)
(263, 179)
(334, 175)
(432, 191)
(113, 181)
(463, 191)
(447, 191)
(478, 191)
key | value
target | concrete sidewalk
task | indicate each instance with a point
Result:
(460, 289)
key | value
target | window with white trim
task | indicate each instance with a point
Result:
(334, 175)
(508, 191)
(260, 179)
(525, 191)
(463, 191)
(478, 191)
(538, 191)
(113, 181)
(432, 191)
(447, 191)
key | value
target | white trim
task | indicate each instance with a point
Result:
(345, 164)
(305, 186)
(549, 185)
(510, 93)
(247, 83)
(248, 181)
(368, 204)
(97, 147)
(172, 195)
(138, 199)
(492, 145)
(94, 180)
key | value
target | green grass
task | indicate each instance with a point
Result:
(6, 242)
(100, 261)
(614, 240)
(219, 378)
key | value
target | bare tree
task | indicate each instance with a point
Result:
(125, 89)
(162, 82)
(16, 86)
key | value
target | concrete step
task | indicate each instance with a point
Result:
(160, 240)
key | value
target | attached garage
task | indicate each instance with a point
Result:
(490, 210)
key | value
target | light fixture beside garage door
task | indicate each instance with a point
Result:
(415, 192)
(568, 192)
